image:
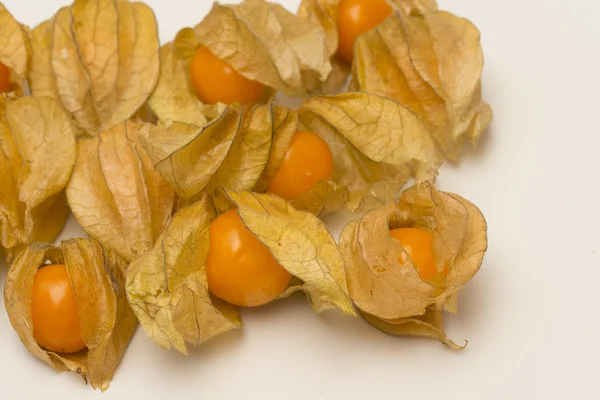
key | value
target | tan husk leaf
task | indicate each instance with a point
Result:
(37, 153)
(325, 14)
(250, 150)
(174, 97)
(426, 325)
(107, 321)
(285, 123)
(41, 75)
(100, 58)
(300, 243)
(15, 49)
(382, 130)
(387, 289)
(232, 150)
(116, 194)
(266, 43)
(407, 6)
(167, 288)
(377, 145)
(431, 62)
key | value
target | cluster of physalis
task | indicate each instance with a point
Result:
(201, 194)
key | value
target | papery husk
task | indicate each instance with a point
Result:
(266, 43)
(377, 145)
(431, 62)
(427, 325)
(231, 151)
(116, 194)
(260, 40)
(168, 290)
(174, 97)
(37, 153)
(237, 151)
(107, 322)
(391, 291)
(376, 150)
(408, 6)
(301, 244)
(99, 58)
(382, 130)
(325, 14)
(15, 49)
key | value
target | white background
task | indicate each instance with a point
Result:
(530, 315)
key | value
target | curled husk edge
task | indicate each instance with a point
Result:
(390, 293)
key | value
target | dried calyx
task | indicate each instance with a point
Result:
(374, 152)
(98, 59)
(37, 153)
(385, 282)
(168, 288)
(106, 319)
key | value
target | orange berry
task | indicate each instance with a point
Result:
(240, 269)
(56, 324)
(356, 17)
(417, 243)
(307, 161)
(5, 84)
(215, 81)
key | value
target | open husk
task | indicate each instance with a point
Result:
(100, 59)
(377, 144)
(261, 40)
(301, 244)
(107, 322)
(15, 49)
(325, 14)
(390, 293)
(37, 153)
(116, 194)
(375, 151)
(168, 288)
(428, 60)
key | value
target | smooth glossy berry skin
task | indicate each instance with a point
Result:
(240, 269)
(56, 323)
(417, 243)
(307, 161)
(356, 17)
(5, 84)
(215, 81)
